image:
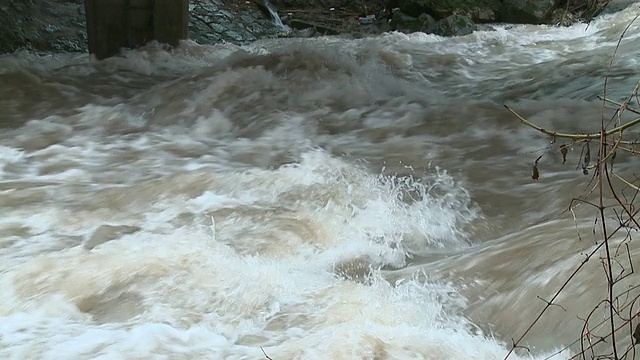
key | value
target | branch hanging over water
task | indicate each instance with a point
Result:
(575, 137)
(620, 105)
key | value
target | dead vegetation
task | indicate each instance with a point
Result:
(612, 328)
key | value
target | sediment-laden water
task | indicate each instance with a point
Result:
(313, 199)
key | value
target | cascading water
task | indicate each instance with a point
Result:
(274, 15)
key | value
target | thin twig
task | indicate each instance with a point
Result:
(265, 354)
(620, 105)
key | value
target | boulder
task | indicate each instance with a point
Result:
(527, 11)
(455, 25)
(476, 10)
(563, 17)
(404, 23)
(428, 24)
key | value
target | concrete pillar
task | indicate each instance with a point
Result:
(116, 24)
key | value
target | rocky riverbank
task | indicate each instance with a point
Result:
(59, 25)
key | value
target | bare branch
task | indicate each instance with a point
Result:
(575, 137)
(552, 304)
(265, 354)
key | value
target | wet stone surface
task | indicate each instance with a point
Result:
(238, 22)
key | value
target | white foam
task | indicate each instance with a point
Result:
(204, 301)
(210, 201)
(209, 296)
(9, 155)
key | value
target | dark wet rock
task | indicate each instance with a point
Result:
(54, 25)
(428, 23)
(107, 233)
(317, 27)
(562, 17)
(455, 25)
(238, 22)
(509, 11)
(482, 15)
(554, 12)
(477, 10)
(405, 23)
(527, 11)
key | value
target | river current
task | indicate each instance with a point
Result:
(322, 198)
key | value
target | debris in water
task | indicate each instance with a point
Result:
(563, 150)
(587, 159)
(536, 174)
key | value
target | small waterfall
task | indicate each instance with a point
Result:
(275, 16)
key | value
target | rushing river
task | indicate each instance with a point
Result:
(321, 198)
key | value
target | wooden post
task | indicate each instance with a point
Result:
(116, 24)
(171, 21)
(141, 22)
(107, 26)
